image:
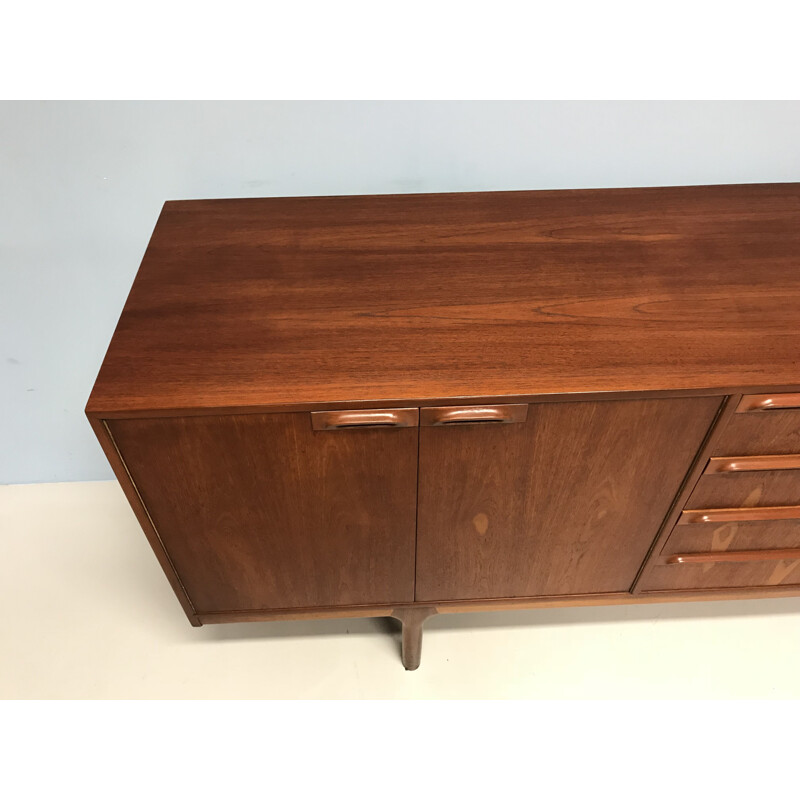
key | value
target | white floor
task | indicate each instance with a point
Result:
(87, 613)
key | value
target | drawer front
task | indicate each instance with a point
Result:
(729, 547)
(723, 575)
(760, 535)
(758, 433)
(747, 489)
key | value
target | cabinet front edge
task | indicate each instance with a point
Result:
(95, 411)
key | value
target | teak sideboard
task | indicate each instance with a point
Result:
(402, 405)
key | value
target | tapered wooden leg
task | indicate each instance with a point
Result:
(412, 619)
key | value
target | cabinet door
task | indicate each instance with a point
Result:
(263, 512)
(566, 502)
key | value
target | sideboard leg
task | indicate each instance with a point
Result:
(412, 620)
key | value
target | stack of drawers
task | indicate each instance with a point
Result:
(740, 526)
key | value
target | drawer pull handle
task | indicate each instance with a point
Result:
(752, 463)
(767, 402)
(734, 555)
(460, 415)
(371, 418)
(691, 516)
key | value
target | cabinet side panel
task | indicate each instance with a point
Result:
(261, 511)
(567, 503)
(134, 498)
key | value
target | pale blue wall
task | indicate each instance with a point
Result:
(81, 186)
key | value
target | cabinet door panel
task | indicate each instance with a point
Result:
(567, 502)
(261, 511)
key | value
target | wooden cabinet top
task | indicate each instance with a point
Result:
(312, 301)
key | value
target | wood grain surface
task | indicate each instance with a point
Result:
(568, 502)
(747, 489)
(759, 535)
(684, 577)
(506, 604)
(261, 511)
(760, 433)
(301, 301)
(626, 318)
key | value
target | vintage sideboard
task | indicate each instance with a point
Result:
(402, 405)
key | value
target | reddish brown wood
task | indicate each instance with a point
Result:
(614, 599)
(768, 402)
(750, 512)
(742, 575)
(703, 515)
(589, 397)
(758, 535)
(725, 413)
(758, 434)
(372, 418)
(316, 612)
(143, 516)
(624, 316)
(261, 511)
(747, 490)
(724, 556)
(462, 415)
(752, 463)
(567, 503)
(503, 604)
(297, 301)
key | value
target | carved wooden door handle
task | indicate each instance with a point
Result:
(366, 418)
(455, 415)
(722, 556)
(748, 514)
(751, 464)
(767, 402)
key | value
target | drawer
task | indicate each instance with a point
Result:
(746, 489)
(723, 575)
(757, 433)
(758, 535)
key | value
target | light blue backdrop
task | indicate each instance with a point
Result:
(81, 186)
